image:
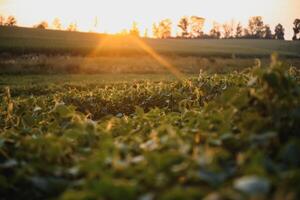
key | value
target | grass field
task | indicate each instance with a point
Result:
(35, 51)
(41, 64)
(24, 81)
(27, 40)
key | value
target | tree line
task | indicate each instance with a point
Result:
(56, 24)
(190, 28)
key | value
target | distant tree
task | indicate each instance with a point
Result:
(11, 21)
(279, 32)
(134, 31)
(207, 36)
(246, 34)
(197, 24)
(267, 33)
(72, 27)
(166, 28)
(155, 30)
(146, 33)
(163, 29)
(215, 31)
(184, 26)
(2, 20)
(123, 32)
(239, 31)
(57, 24)
(228, 30)
(42, 25)
(296, 29)
(96, 24)
(255, 27)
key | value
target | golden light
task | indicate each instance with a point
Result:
(115, 43)
(158, 58)
(115, 15)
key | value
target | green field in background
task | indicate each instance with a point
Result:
(29, 40)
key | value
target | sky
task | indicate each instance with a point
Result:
(115, 15)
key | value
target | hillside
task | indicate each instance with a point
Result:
(17, 40)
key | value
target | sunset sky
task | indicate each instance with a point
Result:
(115, 15)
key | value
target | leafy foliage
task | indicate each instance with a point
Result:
(233, 136)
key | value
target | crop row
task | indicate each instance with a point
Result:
(233, 136)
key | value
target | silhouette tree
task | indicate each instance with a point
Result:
(247, 34)
(57, 24)
(72, 27)
(196, 24)
(123, 32)
(11, 21)
(2, 20)
(255, 27)
(146, 33)
(95, 24)
(267, 33)
(155, 30)
(296, 29)
(184, 26)
(166, 28)
(163, 29)
(279, 32)
(228, 30)
(134, 31)
(42, 25)
(239, 31)
(215, 32)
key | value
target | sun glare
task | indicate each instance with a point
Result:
(115, 43)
